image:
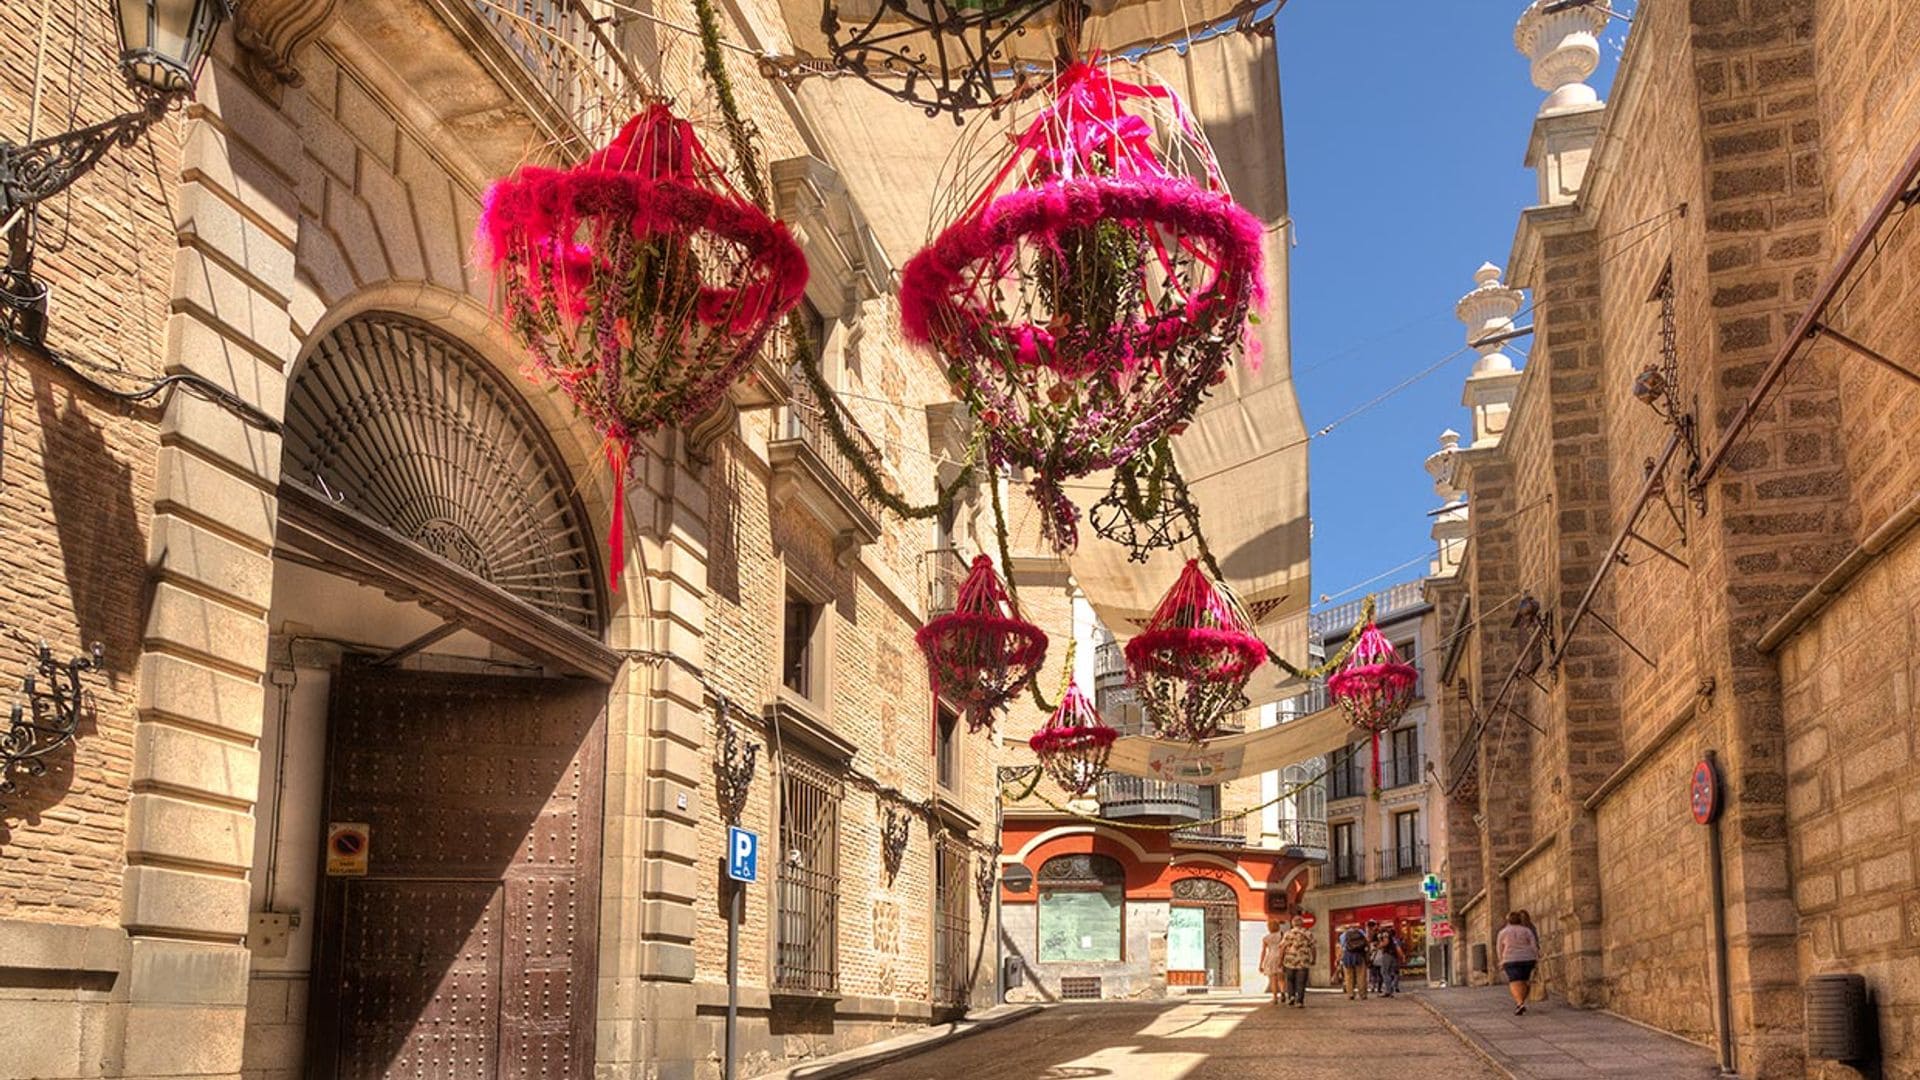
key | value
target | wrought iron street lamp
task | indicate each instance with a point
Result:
(163, 44)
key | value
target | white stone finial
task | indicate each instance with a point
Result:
(1564, 46)
(1440, 465)
(1488, 311)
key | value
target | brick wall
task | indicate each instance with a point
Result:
(77, 477)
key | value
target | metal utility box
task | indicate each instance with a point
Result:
(1839, 1020)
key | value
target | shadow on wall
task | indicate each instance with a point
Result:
(101, 547)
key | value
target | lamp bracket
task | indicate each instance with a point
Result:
(32, 172)
(50, 717)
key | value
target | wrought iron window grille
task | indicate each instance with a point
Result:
(49, 720)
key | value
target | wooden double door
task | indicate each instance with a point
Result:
(466, 949)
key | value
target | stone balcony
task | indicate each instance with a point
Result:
(812, 474)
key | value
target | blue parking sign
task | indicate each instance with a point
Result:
(743, 855)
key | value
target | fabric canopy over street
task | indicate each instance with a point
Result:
(1231, 757)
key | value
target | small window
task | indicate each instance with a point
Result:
(946, 749)
(1409, 856)
(1346, 847)
(797, 637)
(1081, 902)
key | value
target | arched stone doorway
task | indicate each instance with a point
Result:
(1203, 934)
(437, 613)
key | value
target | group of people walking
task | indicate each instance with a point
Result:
(1371, 959)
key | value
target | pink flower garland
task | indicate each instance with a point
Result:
(640, 282)
(1074, 744)
(1134, 287)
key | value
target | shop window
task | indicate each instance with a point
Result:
(1082, 901)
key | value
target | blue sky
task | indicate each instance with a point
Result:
(1406, 127)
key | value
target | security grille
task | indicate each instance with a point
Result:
(950, 931)
(398, 422)
(1080, 988)
(807, 955)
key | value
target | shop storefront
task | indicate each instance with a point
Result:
(1408, 916)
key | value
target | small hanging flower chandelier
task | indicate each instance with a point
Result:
(1092, 292)
(640, 282)
(1074, 744)
(1192, 662)
(981, 654)
(1375, 688)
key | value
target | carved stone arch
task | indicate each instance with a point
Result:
(413, 430)
(1205, 890)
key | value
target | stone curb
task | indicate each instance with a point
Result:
(1472, 1043)
(855, 1062)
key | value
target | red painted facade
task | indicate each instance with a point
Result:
(1152, 863)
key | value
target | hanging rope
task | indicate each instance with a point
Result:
(1033, 793)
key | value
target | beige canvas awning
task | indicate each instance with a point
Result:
(1231, 757)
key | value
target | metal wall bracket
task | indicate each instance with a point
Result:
(49, 719)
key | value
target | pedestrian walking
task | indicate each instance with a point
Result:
(1270, 948)
(1296, 960)
(1391, 954)
(1353, 962)
(1374, 958)
(1519, 948)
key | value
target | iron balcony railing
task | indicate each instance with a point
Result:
(1304, 837)
(570, 55)
(1214, 834)
(1343, 867)
(1403, 770)
(1109, 660)
(1136, 796)
(806, 423)
(1403, 861)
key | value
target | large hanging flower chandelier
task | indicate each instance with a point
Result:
(640, 282)
(1093, 289)
(981, 654)
(1191, 663)
(1074, 743)
(1375, 688)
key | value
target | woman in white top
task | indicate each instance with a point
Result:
(1519, 951)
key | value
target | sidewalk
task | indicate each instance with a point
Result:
(1555, 1041)
(872, 1056)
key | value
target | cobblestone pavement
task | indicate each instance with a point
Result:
(1555, 1041)
(1206, 1039)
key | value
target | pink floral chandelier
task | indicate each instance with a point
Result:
(981, 654)
(1374, 687)
(1095, 287)
(1191, 663)
(640, 282)
(1074, 743)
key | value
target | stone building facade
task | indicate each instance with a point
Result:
(1633, 594)
(311, 625)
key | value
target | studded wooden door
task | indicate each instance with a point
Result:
(466, 951)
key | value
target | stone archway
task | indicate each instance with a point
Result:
(1203, 935)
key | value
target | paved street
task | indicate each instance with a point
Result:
(1557, 1042)
(1206, 1039)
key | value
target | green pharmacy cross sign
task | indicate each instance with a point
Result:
(1432, 886)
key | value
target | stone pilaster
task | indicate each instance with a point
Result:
(1777, 511)
(190, 823)
(1582, 746)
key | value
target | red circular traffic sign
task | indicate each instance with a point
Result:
(1307, 920)
(1703, 792)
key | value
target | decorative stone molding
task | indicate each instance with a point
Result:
(1488, 310)
(1449, 529)
(1565, 48)
(848, 264)
(271, 34)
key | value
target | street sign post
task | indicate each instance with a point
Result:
(743, 868)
